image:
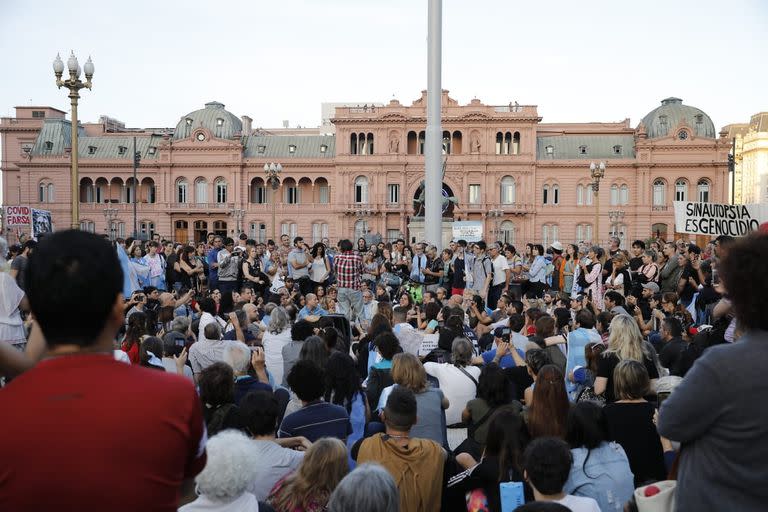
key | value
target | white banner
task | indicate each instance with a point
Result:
(470, 230)
(718, 219)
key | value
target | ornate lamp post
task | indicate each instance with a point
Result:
(273, 171)
(74, 84)
(596, 172)
(110, 214)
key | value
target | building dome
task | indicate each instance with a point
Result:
(661, 121)
(214, 118)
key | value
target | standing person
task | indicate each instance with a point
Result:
(12, 301)
(156, 266)
(19, 263)
(285, 246)
(349, 267)
(482, 271)
(171, 267)
(727, 423)
(669, 275)
(636, 261)
(558, 261)
(578, 339)
(253, 277)
(591, 280)
(228, 267)
(320, 268)
(93, 398)
(538, 271)
(501, 274)
(298, 265)
(570, 263)
(458, 269)
(213, 263)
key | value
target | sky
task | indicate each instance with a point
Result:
(579, 61)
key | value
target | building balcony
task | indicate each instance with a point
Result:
(659, 208)
(120, 207)
(200, 207)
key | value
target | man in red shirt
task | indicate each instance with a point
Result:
(82, 431)
(349, 268)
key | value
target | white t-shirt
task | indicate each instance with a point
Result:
(273, 353)
(500, 267)
(579, 503)
(457, 387)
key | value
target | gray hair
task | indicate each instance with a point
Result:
(180, 324)
(269, 307)
(238, 356)
(278, 321)
(461, 351)
(231, 468)
(369, 488)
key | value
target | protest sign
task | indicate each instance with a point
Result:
(718, 219)
(471, 231)
(428, 344)
(41, 222)
(18, 216)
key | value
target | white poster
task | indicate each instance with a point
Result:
(470, 230)
(718, 219)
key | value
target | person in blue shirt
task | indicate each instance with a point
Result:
(316, 418)
(213, 263)
(311, 308)
(419, 263)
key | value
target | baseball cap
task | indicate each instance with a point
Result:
(651, 286)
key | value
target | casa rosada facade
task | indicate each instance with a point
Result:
(525, 180)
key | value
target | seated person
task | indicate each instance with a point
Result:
(311, 310)
(239, 356)
(276, 458)
(386, 346)
(316, 418)
(546, 466)
(240, 323)
(415, 464)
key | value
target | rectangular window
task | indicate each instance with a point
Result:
(38, 113)
(292, 195)
(392, 235)
(201, 192)
(393, 193)
(261, 195)
(474, 194)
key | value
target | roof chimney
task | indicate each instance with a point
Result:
(247, 122)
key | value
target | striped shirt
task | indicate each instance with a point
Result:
(349, 267)
(316, 420)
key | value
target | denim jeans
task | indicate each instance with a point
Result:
(350, 303)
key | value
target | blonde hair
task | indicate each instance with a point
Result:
(324, 466)
(625, 339)
(407, 371)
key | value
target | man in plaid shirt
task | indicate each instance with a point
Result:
(349, 267)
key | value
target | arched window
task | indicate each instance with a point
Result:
(324, 191)
(507, 143)
(353, 144)
(456, 143)
(446, 143)
(368, 144)
(201, 191)
(555, 194)
(614, 195)
(681, 190)
(291, 193)
(659, 230)
(87, 225)
(87, 191)
(221, 191)
(589, 195)
(147, 193)
(545, 198)
(413, 147)
(45, 192)
(290, 229)
(146, 229)
(422, 140)
(579, 195)
(258, 231)
(584, 195)
(258, 193)
(182, 191)
(507, 232)
(549, 233)
(499, 142)
(507, 190)
(361, 189)
(624, 195)
(659, 193)
(516, 143)
(703, 191)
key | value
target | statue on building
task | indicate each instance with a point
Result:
(394, 145)
(475, 145)
(447, 200)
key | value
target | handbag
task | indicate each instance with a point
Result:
(588, 395)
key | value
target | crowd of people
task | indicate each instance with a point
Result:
(234, 375)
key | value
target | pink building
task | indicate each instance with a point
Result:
(523, 179)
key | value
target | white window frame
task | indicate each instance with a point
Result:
(703, 189)
(507, 190)
(659, 193)
(220, 189)
(393, 193)
(361, 190)
(201, 191)
(681, 190)
(475, 196)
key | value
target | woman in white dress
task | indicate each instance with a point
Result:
(12, 298)
(277, 336)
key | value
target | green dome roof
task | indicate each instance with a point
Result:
(661, 121)
(221, 123)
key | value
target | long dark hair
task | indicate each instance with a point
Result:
(492, 386)
(137, 327)
(342, 381)
(316, 249)
(507, 438)
(586, 429)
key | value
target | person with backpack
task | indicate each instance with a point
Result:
(481, 270)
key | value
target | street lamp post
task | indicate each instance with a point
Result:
(597, 172)
(110, 214)
(273, 171)
(74, 84)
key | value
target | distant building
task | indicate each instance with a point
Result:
(751, 159)
(524, 180)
